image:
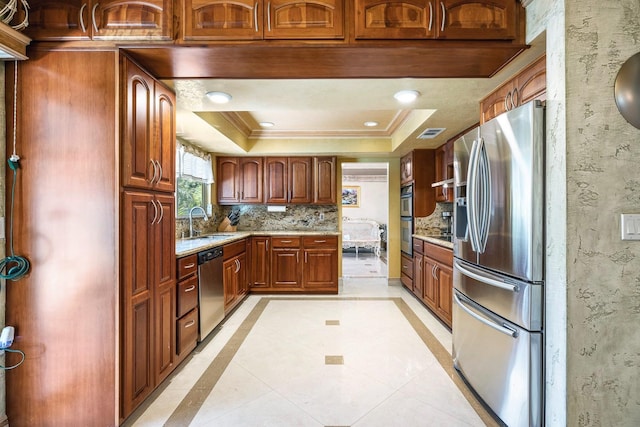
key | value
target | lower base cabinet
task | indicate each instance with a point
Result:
(186, 321)
(234, 272)
(294, 264)
(432, 280)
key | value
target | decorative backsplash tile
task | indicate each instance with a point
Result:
(435, 223)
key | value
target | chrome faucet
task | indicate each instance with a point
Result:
(191, 218)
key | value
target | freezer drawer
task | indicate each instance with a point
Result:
(517, 301)
(501, 361)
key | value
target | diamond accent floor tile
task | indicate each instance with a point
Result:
(334, 360)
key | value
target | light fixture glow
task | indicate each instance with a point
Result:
(406, 96)
(219, 97)
(371, 124)
(266, 124)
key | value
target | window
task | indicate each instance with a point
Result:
(190, 193)
(193, 181)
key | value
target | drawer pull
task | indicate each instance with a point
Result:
(193, 264)
(189, 324)
(285, 241)
(320, 241)
(190, 288)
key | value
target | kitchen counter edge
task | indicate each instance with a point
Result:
(435, 241)
(184, 248)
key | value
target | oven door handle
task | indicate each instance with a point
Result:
(500, 328)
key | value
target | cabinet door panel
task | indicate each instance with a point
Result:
(477, 19)
(319, 19)
(300, 170)
(146, 20)
(531, 83)
(165, 332)
(260, 262)
(165, 241)
(58, 20)
(285, 268)
(429, 295)
(251, 179)
(187, 333)
(229, 273)
(276, 180)
(407, 19)
(164, 151)
(324, 174)
(445, 290)
(418, 276)
(222, 20)
(320, 268)
(228, 178)
(495, 104)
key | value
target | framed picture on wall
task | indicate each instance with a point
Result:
(350, 196)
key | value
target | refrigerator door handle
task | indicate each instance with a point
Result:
(484, 279)
(485, 199)
(472, 196)
(500, 328)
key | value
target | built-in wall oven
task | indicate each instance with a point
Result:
(406, 220)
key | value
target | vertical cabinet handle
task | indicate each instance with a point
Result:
(83, 27)
(269, 16)
(267, 247)
(255, 16)
(155, 212)
(514, 98)
(237, 265)
(155, 172)
(161, 211)
(444, 16)
(93, 17)
(297, 257)
(159, 170)
(430, 16)
(305, 257)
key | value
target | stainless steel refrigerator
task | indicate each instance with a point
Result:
(498, 271)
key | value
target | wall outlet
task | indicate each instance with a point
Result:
(321, 216)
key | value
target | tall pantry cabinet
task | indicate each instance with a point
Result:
(92, 315)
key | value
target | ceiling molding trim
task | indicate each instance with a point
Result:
(240, 121)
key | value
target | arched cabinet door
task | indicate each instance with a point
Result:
(476, 20)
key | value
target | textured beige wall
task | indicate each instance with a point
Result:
(603, 181)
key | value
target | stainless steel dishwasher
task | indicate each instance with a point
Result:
(211, 290)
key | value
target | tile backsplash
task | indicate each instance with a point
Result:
(257, 218)
(435, 223)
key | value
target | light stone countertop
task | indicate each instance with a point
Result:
(194, 245)
(435, 240)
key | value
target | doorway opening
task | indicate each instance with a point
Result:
(365, 214)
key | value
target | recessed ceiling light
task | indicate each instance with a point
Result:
(266, 124)
(406, 96)
(371, 124)
(219, 97)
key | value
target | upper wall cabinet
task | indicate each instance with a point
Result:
(148, 132)
(529, 84)
(257, 20)
(445, 19)
(107, 20)
(239, 180)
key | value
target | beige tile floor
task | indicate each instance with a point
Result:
(365, 264)
(369, 356)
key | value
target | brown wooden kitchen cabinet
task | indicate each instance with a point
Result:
(406, 273)
(438, 279)
(288, 180)
(148, 282)
(234, 271)
(324, 185)
(186, 306)
(286, 267)
(444, 171)
(442, 19)
(148, 139)
(239, 180)
(51, 20)
(320, 262)
(256, 20)
(528, 85)
(260, 266)
(421, 177)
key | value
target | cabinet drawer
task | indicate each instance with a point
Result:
(232, 249)
(439, 253)
(187, 265)
(407, 266)
(418, 246)
(187, 295)
(329, 242)
(187, 331)
(285, 242)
